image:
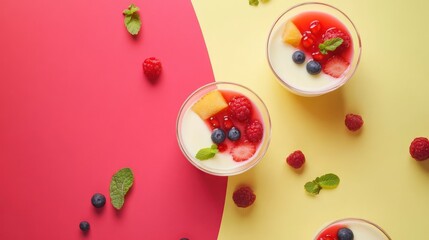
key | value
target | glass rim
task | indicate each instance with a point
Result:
(327, 90)
(267, 129)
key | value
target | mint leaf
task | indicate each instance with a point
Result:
(312, 187)
(132, 19)
(207, 153)
(328, 181)
(330, 45)
(119, 185)
(253, 2)
(265, 1)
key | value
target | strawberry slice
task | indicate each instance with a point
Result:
(243, 151)
(335, 66)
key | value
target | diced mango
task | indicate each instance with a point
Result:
(210, 104)
(291, 34)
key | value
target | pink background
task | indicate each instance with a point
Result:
(75, 108)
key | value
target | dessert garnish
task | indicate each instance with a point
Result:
(353, 122)
(243, 197)
(152, 68)
(132, 19)
(327, 181)
(419, 148)
(121, 182)
(207, 153)
(296, 159)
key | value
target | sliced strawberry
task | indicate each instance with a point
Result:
(243, 151)
(335, 66)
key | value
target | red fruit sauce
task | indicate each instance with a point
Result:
(330, 233)
(225, 121)
(312, 26)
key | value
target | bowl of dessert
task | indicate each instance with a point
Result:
(351, 229)
(223, 128)
(313, 48)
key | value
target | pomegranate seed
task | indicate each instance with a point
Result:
(307, 42)
(214, 122)
(315, 27)
(227, 123)
(309, 34)
(318, 56)
(222, 147)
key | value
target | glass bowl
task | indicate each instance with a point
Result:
(192, 131)
(362, 229)
(294, 77)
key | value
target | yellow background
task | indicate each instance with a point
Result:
(380, 182)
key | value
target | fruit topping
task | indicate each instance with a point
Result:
(84, 226)
(298, 57)
(313, 67)
(243, 197)
(345, 234)
(227, 123)
(243, 151)
(419, 148)
(234, 134)
(241, 108)
(291, 34)
(214, 122)
(335, 66)
(152, 68)
(317, 56)
(315, 27)
(222, 147)
(336, 33)
(307, 42)
(353, 122)
(327, 237)
(98, 200)
(254, 131)
(210, 104)
(218, 136)
(296, 159)
(207, 153)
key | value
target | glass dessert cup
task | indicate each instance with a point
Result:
(362, 229)
(292, 76)
(190, 132)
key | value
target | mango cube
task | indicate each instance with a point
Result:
(291, 34)
(210, 104)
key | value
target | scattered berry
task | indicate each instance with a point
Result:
(335, 66)
(98, 200)
(313, 67)
(296, 159)
(243, 152)
(234, 134)
(419, 148)
(241, 108)
(298, 57)
(218, 136)
(345, 234)
(307, 42)
(152, 68)
(214, 122)
(227, 123)
(243, 197)
(334, 33)
(84, 226)
(353, 122)
(315, 27)
(254, 131)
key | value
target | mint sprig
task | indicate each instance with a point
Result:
(256, 2)
(327, 181)
(207, 153)
(330, 45)
(132, 19)
(121, 182)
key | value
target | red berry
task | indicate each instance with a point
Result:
(254, 131)
(307, 42)
(214, 122)
(243, 152)
(353, 122)
(336, 66)
(318, 56)
(419, 148)
(315, 27)
(241, 108)
(296, 159)
(222, 147)
(227, 123)
(152, 68)
(327, 237)
(243, 197)
(334, 33)
(309, 34)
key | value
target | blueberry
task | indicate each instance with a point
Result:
(345, 234)
(298, 57)
(84, 226)
(98, 200)
(313, 67)
(218, 136)
(234, 134)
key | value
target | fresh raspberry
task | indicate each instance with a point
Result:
(241, 108)
(296, 159)
(334, 33)
(419, 148)
(243, 197)
(152, 68)
(254, 131)
(353, 122)
(222, 147)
